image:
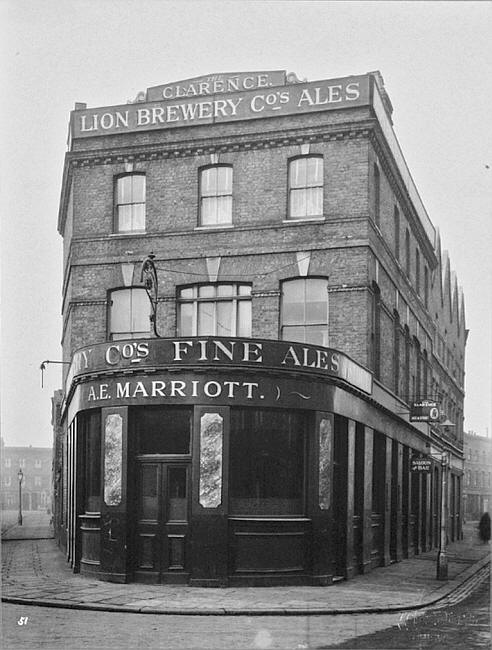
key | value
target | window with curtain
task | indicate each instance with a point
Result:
(215, 310)
(130, 203)
(216, 195)
(306, 187)
(129, 314)
(304, 310)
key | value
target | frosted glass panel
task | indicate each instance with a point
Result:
(113, 449)
(211, 434)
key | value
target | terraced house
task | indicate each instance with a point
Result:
(264, 341)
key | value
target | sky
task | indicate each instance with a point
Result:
(435, 58)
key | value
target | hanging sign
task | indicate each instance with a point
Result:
(425, 410)
(421, 464)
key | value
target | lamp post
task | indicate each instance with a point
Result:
(20, 475)
(442, 557)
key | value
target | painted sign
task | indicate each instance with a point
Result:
(424, 410)
(421, 465)
(215, 84)
(211, 352)
(222, 107)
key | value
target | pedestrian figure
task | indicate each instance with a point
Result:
(484, 528)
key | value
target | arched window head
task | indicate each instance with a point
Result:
(306, 187)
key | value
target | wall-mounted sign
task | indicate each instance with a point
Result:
(425, 410)
(421, 465)
(215, 84)
(210, 352)
(224, 106)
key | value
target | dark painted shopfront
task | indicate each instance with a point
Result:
(214, 461)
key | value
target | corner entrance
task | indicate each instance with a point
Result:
(161, 536)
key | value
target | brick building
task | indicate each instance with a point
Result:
(477, 488)
(256, 429)
(35, 463)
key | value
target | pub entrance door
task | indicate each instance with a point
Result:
(161, 526)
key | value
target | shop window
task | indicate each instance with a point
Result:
(130, 203)
(306, 187)
(215, 310)
(267, 462)
(162, 430)
(304, 311)
(129, 314)
(90, 432)
(216, 195)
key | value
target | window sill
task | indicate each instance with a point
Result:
(304, 220)
(225, 226)
(130, 233)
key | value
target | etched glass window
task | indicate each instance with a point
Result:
(130, 203)
(211, 435)
(325, 441)
(306, 187)
(113, 461)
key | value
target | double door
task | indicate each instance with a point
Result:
(162, 515)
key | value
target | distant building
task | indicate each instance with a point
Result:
(258, 428)
(477, 490)
(35, 463)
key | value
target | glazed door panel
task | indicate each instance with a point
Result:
(162, 522)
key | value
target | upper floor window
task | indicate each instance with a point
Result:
(396, 217)
(216, 195)
(8, 462)
(22, 462)
(304, 310)
(306, 187)
(426, 286)
(377, 195)
(417, 270)
(37, 481)
(215, 310)
(407, 253)
(130, 203)
(7, 481)
(129, 313)
(37, 462)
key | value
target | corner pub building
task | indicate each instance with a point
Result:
(242, 417)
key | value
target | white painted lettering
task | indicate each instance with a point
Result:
(177, 388)
(207, 389)
(253, 352)
(122, 391)
(352, 91)
(158, 388)
(179, 349)
(250, 387)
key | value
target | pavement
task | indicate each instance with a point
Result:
(35, 572)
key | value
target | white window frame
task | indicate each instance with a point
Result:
(195, 300)
(120, 179)
(304, 324)
(216, 195)
(131, 333)
(303, 189)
